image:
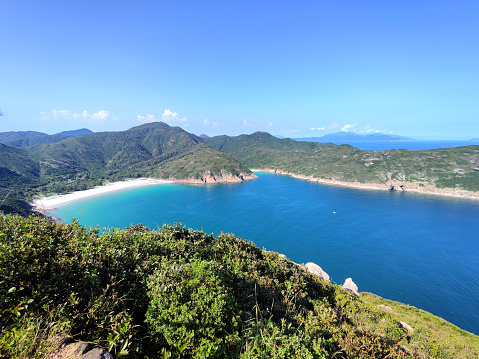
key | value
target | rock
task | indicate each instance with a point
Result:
(385, 308)
(406, 326)
(78, 350)
(72, 351)
(351, 286)
(97, 353)
(317, 270)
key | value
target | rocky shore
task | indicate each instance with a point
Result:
(393, 185)
(222, 177)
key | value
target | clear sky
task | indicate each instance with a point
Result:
(291, 68)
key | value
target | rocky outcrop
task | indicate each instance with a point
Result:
(406, 326)
(351, 286)
(222, 177)
(317, 270)
(67, 349)
(385, 308)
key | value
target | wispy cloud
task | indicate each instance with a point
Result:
(333, 126)
(246, 123)
(146, 118)
(297, 130)
(173, 117)
(348, 127)
(270, 124)
(206, 122)
(65, 115)
(369, 129)
(317, 128)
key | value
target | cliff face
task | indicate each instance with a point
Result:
(221, 177)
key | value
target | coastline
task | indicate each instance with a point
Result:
(407, 187)
(44, 205)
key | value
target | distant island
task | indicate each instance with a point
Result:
(354, 137)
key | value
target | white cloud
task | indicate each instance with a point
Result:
(101, 116)
(333, 126)
(206, 122)
(246, 123)
(348, 127)
(270, 124)
(369, 129)
(297, 130)
(147, 118)
(65, 115)
(317, 128)
(171, 117)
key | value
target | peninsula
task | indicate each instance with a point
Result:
(445, 171)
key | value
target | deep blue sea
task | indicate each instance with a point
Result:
(418, 249)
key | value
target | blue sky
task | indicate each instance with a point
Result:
(295, 69)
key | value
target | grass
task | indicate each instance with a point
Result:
(433, 337)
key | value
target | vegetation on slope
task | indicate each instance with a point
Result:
(182, 293)
(76, 163)
(455, 168)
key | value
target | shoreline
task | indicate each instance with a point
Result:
(406, 187)
(44, 205)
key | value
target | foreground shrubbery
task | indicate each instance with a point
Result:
(176, 293)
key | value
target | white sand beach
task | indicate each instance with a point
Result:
(46, 204)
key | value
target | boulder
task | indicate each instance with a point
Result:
(385, 308)
(97, 353)
(406, 326)
(351, 286)
(78, 350)
(317, 270)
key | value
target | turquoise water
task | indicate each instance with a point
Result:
(418, 249)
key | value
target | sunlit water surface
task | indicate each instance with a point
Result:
(417, 249)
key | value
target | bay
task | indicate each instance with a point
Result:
(418, 249)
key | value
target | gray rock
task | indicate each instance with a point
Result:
(97, 353)
(406, 326)
(385, 308)
(351, 286)
(72, 351)
(317, 270)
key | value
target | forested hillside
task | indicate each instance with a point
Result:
(76, 163)
(451, 168)
(32, 138)
(179, 293)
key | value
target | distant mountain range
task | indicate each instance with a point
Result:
(32, 138)
(354, 137)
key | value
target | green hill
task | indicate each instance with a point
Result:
(32, 138)
(76, 163)
(179, 293)
(447, 168)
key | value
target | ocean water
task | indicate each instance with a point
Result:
(408, 145)
(418, 249)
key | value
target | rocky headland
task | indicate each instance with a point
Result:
(417, 187)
